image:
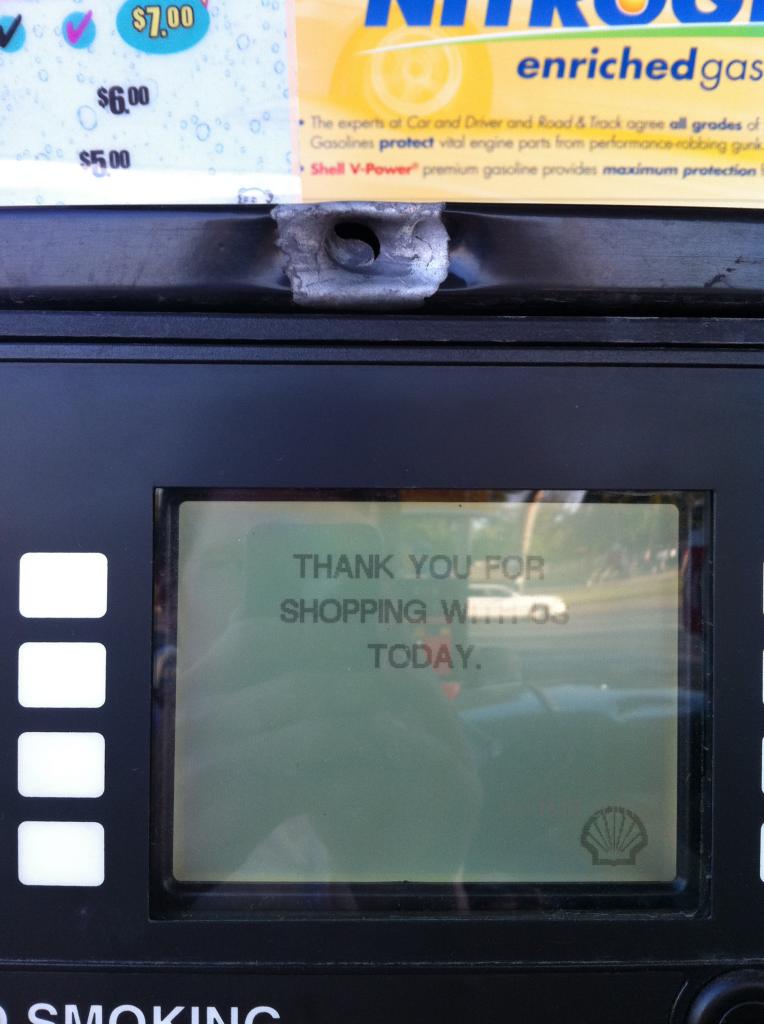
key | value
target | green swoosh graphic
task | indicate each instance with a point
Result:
(703, 29)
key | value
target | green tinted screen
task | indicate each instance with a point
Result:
(427, 690)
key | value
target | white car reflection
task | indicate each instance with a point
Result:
(492, 602)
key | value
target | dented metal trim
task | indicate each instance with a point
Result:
(363, 254)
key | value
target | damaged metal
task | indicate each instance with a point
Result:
(364, 254)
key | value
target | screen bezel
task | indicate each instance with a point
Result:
(171, 898)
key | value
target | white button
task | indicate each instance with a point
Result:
(61, 853)
(62, 675)
(62, 585)
(61, 764)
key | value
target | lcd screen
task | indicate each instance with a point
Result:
(432, 688)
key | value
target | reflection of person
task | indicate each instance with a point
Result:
(614, 565)
(295, 760)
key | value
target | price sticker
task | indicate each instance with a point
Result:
(163, 27)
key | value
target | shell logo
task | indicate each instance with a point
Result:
(614, 835)
(631, 7)
(438, 81)
(416, 81)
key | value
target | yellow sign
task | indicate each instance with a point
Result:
(555, 101)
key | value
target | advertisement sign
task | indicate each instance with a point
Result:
(557, 101)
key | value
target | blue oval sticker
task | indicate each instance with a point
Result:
(161, 27)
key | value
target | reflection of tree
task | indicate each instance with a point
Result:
(559, 532)
(495, 536)
(611, 538)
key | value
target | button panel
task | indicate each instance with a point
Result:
(62, 765)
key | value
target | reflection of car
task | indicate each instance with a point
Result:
(493, 602)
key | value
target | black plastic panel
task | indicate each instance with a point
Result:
(86, 440)
(121, 998)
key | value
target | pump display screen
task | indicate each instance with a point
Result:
(425, 688)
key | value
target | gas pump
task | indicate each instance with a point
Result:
(381, 488)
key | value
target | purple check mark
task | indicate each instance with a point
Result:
(75, 34)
